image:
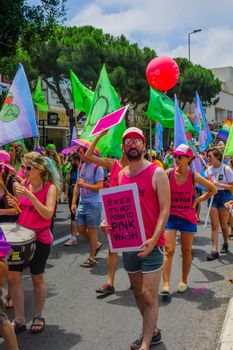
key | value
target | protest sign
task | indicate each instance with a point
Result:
(109, 120)
(123, 213)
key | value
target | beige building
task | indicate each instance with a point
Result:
(224, 108)
(54, 126)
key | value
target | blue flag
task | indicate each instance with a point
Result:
(179, 127)
(159, 137)
(17, 117)
(205, 136)
(73, 136)
(180, 137)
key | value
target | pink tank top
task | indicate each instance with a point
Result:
(148, 200)
(182, 198)
(114, 172)
(30, 218)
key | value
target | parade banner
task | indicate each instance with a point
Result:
(109, 120)
(122, 212)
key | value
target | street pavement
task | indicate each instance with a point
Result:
(77, 318)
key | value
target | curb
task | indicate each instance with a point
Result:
(226, 338)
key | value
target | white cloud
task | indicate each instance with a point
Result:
(164, 26)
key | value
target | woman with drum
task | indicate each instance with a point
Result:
(8, 184)
(37, 204)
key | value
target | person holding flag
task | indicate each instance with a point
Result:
(113, 167)
(222, 177)
(182, 215)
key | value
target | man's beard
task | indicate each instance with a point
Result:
(133, 154)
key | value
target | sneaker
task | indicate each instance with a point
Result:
(224, 249)
(106, 289)
(71, 241)
(212, 256)
(165, 291)
(156, 339)
(182, 288)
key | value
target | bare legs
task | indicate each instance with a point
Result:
(145, 289)
(111, 266)
(90, 234)
(17, 294)
(218, 217)
(186, 248)
(8, 334)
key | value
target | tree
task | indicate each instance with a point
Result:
(27, 23)
(84, 50)
(195, 78)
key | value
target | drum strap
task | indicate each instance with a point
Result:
(6, 183)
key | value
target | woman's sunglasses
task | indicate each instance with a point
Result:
(179, 156)
(26, 167)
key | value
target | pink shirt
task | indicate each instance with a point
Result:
(114, 172)
(148, 200)
(182, 198)
(30, 218)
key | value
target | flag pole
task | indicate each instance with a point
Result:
(150, 140)
(212, 198)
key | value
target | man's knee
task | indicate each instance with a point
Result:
(150, 297)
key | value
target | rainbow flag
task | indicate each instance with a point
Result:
(225, 129)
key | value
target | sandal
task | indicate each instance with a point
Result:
(18, 328)
(89, 263)
(37, 327)
(9, 302)
(98, 249)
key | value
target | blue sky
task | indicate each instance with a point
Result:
(164, 25)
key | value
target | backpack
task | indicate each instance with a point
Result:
(106, 181)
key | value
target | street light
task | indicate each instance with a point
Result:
(193, 32)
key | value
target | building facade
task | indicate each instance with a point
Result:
(217, 114)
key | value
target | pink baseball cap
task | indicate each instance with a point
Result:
(133, 133)
(184, 150)
(5, 161)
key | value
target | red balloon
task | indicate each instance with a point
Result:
(162, 73)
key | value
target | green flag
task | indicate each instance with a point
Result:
(39, 99)
(228, 151)
(82, 96)
(161, 109)
(105, 101)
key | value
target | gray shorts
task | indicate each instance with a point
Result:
(149, 263)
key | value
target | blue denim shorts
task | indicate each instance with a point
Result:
(89, 214)
(149, 263)
(179, 224)
(220, 199)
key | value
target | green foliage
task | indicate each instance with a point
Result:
(27, 23)
(195, 78)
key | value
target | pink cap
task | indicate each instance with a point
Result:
(133, 133)
(184, 150)
(5, 161)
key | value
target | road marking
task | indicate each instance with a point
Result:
(60, 240)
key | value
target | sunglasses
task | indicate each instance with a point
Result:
(179, 156)
(129, 142)
(26, 167)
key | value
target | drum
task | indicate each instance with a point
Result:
(22, 243)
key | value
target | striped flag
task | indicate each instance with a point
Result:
(225, 130)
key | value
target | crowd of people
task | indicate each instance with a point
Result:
(170, 193)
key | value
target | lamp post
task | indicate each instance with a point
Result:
(193, 32)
